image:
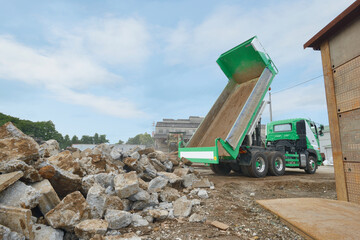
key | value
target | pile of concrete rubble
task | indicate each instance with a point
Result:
(46, 193)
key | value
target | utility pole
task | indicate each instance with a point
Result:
(270, 105)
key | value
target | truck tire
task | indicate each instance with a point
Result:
(259, 165)
(236, 168)
(276, 164)
(311, 165)
(221, 169)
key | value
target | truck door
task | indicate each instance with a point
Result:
(301, 132)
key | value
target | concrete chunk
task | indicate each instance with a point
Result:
(48, 197)
(96, 198)
(15, 145)
(202, 183)
(138, 220)
(42, 231)
(49, 148)
(181, 172)
(169, 194)
(65, 182)
(117, 219)
(17, 219)
(126, 184)
(20, 195)
(69, 212)
(88, 228)
(7, 234)
(157, 183)
(9, 178)
(182, 207)
(30, 173)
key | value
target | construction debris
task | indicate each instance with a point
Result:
(90, 194)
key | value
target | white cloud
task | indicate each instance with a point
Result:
(80, 61)
(283, 28)
(110, 40)
(308, 99)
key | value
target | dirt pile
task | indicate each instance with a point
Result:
(97, 193)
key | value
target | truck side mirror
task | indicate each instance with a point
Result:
(321, 128)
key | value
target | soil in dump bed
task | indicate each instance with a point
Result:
(222, 116)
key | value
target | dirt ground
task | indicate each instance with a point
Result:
(233, 203)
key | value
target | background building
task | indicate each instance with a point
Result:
(169, 131)
(325, 146)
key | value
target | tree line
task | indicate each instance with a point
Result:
(45, 130)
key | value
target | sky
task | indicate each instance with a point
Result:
(115, 67)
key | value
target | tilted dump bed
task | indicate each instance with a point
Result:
(250, 72)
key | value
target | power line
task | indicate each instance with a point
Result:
(312, 79)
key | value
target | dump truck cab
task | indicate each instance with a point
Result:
(296, 138)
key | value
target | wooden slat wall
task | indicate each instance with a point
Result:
(342, 85)
(341, 189)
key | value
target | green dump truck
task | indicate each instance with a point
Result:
(229, 136)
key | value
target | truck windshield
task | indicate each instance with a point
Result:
(282, 127)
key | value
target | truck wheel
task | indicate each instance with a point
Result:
(276, 164)
(259, 165)
(311, 166)
(221, 169)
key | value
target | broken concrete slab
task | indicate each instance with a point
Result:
(17, 219)
(146, 151)
(65, 182)
(197, 218)
(161, 156)
(169, 194)
(42, 231)
(65, 161)
(139, 205)
(202, 183)
(189, 179)
(30, 173)
(142, 195)
(89, 228)
(15, 145)
(20, 195)
(49, 148)
(96, 198)
(159, 214)
(181, 172)
(117, 219)
(126, 184)
(157, 164)
(69, 212)
(174, 179)
(9, 178)
(138, 221)
(114, 202)
(7, 234)
(182, 207)
(157, 184)
(47, 172)
(105, 180)
(202, 193)
(48, 197)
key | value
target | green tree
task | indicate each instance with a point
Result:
(96, 138)
(121, 142)
(75, 140)
(85, 139)
(102, 139)
(141, 139)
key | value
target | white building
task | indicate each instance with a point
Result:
(325, 146)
